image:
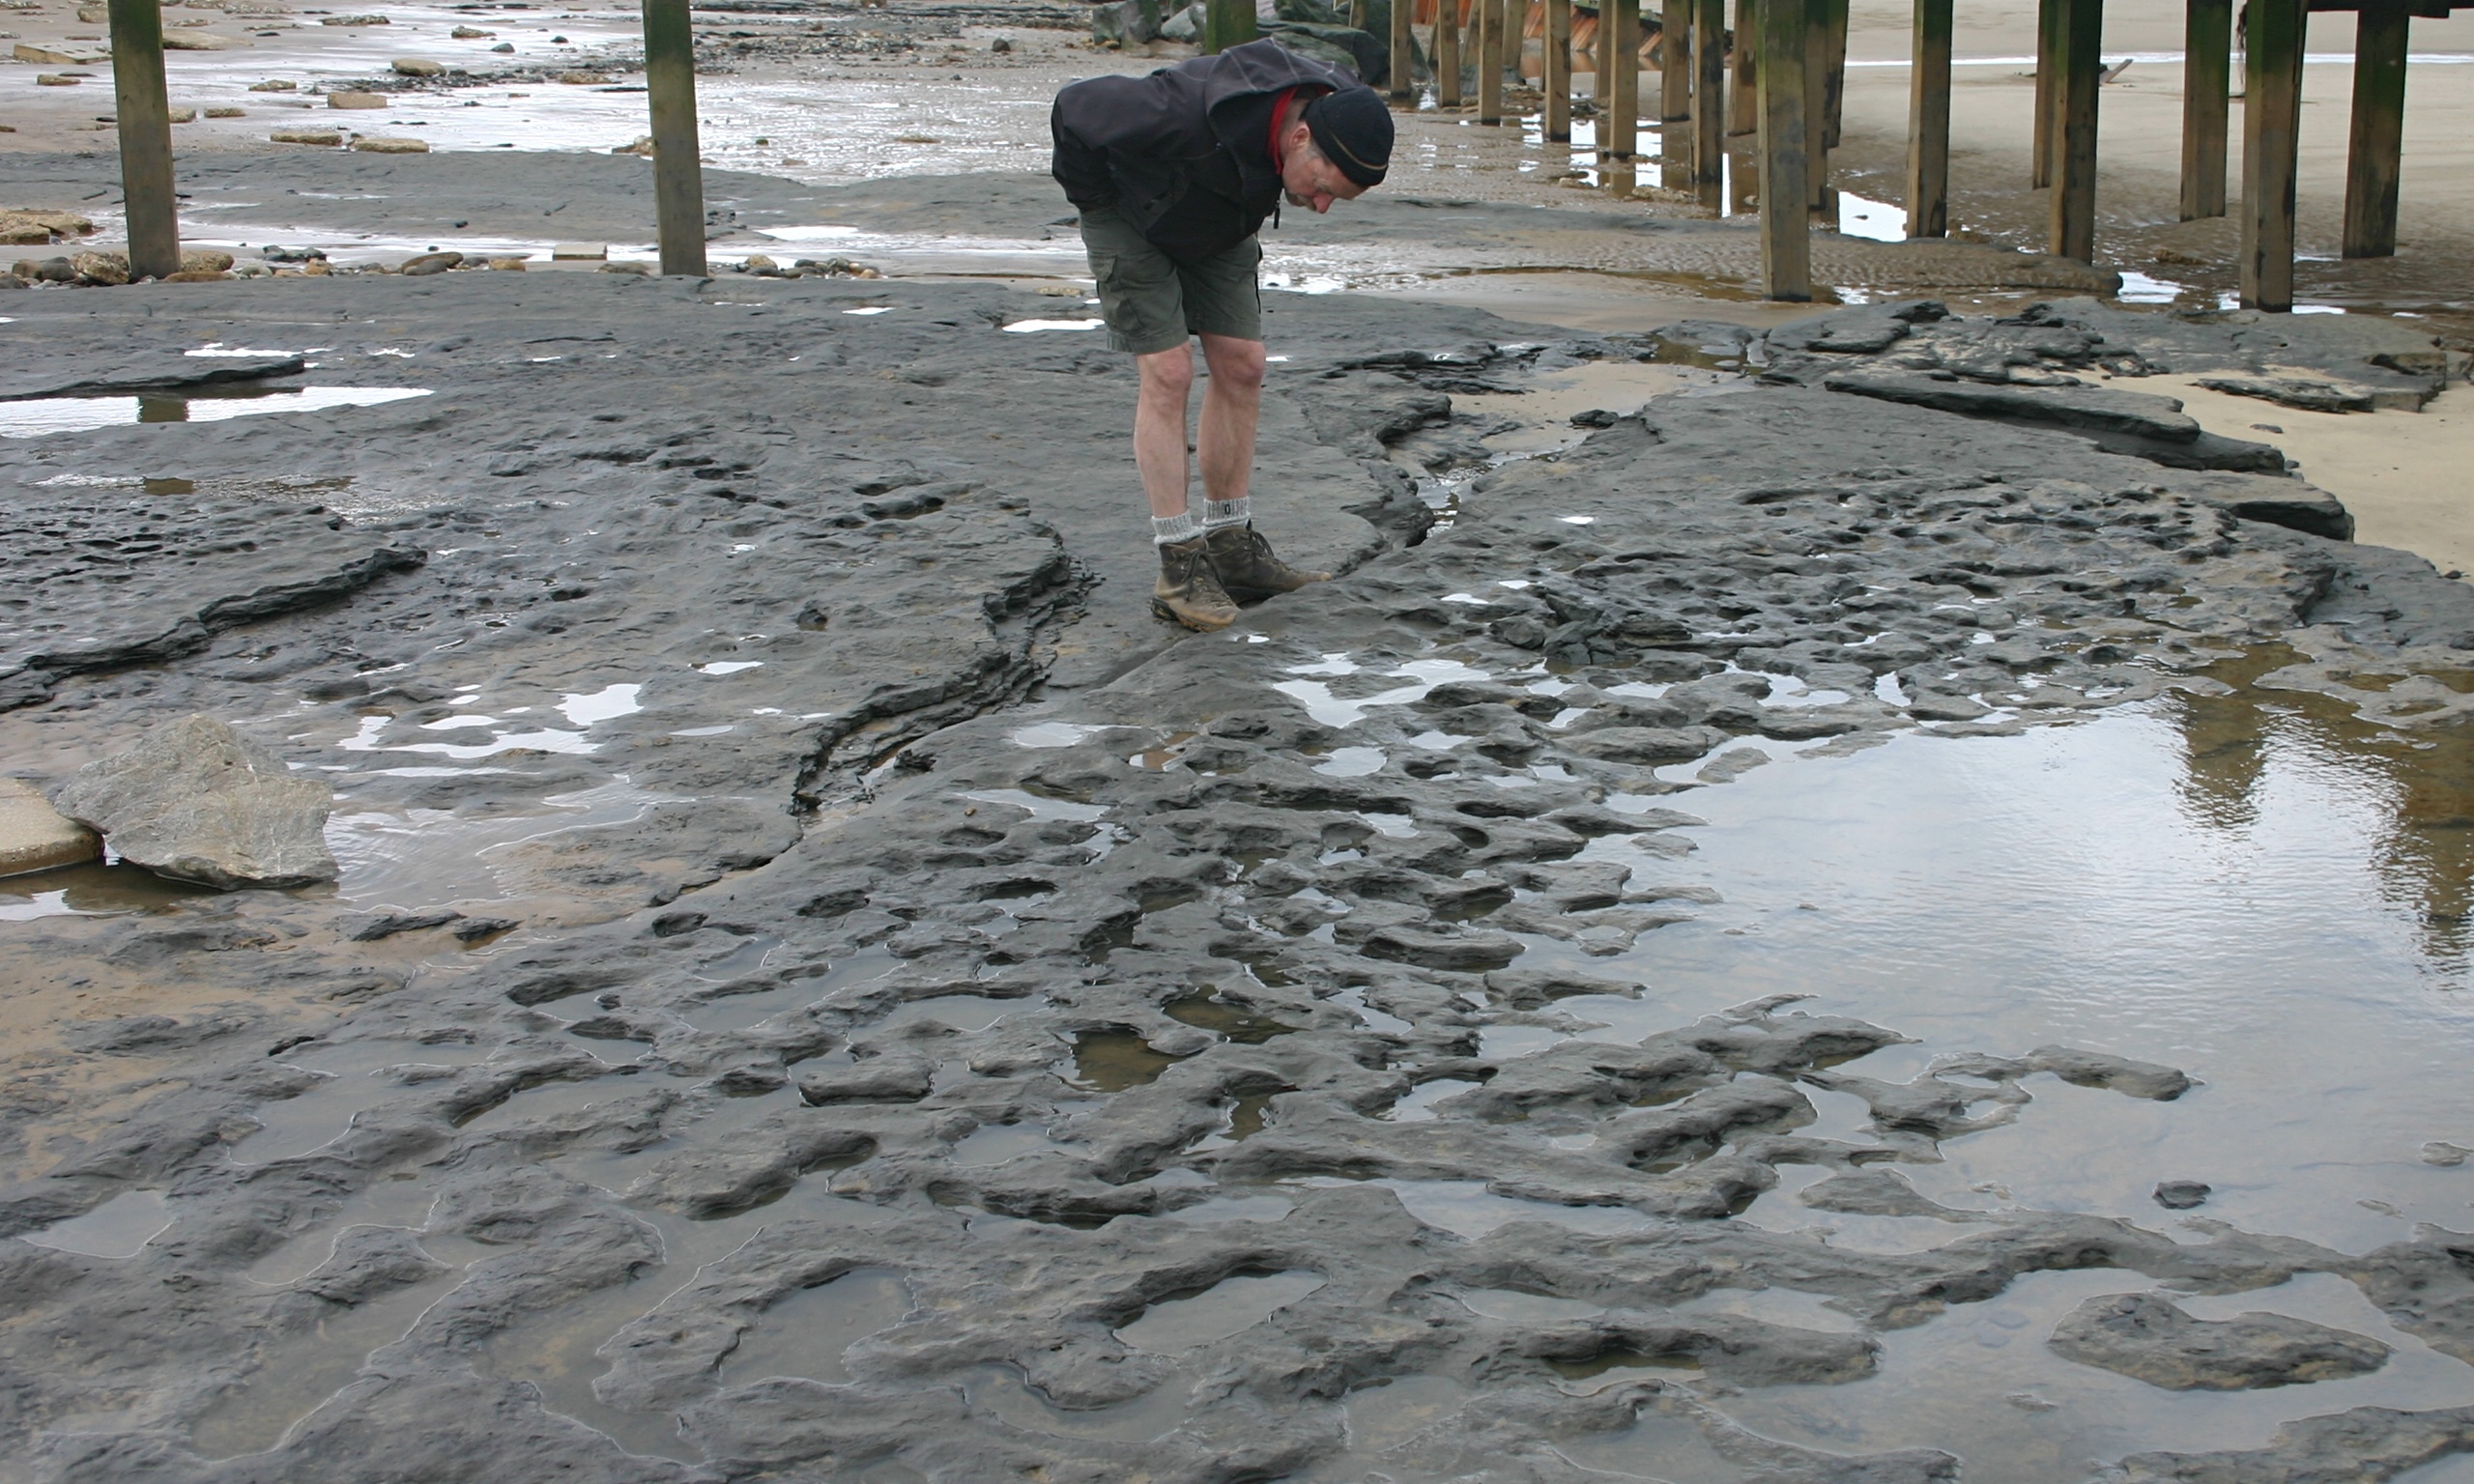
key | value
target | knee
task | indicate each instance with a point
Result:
(1239, 367)
(1169, 373)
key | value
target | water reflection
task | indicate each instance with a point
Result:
(2415, 791)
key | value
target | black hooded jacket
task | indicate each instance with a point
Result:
(1185, 152)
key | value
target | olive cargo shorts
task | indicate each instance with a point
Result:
(1152, 302)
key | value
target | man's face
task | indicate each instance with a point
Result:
(1310, 180)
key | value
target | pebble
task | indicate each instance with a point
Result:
(374, 143)
(417, 67)
(326, 136)
(356, 100)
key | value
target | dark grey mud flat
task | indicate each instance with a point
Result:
(824, 988)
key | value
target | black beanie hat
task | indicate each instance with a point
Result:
(1353, 128)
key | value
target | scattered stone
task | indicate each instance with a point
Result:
(197, 41)
(507, 265)
(327, 137)
(1000, 45)
(429, 262)
(579, 252)
(503, 46)
(378, 144)
(198, 801)
(417, 67)
(2181, 1194)
(471, 34)
(55, 80)
(385, 924)
(2147, 1337)
(275, 85)
(34, 836)
(643, 146)
(2446, 1156)
(28, 51)
(197, 275)
(356, 100)
(639, 270)
(353, 20)
(184, 115)
(227, 113)
(2299, 392)
(31, 226)
(103, 270)
(581, 79)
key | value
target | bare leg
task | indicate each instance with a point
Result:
(1231, 406)
(1159, 427)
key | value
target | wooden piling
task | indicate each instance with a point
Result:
(143, 115)
(1227, 24)
(1447, 52)
(1819, 198)
(2208, 62)
(1404, 54)
(1834, 76)
(1620, 61)
(678, 172)
(1490, 21)
(1675, 92)
(2048, 50)
(2074, 184)
(1744, 97)
(1928, 123)
(1710, 103)
(1557, 74)
(1786, 230)
(2271, 126)
(2376, 151)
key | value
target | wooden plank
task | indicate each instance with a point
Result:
(678, 171)
(1834, 76)
(2074, 186)
(1675, 92)
(2271, 128)
(1489, 23)
(1928, 123)
(1620, 63)
(2048, 48)
(1558, 77)
(2207, 63)
(1786, 229)
(1447, 53)
(1819, 198)
(1743, 100)
(2376, 152)
(1710, 103)
(143, 115)
(1404, 53)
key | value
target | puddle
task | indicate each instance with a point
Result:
(40, 416)
(305, 1368)
(1039, 808)
(1417, 1107)
(1655, 1447)
(1029, 327)
(1222, 1018)
(1512, 1306)
(965, 1012)
(420, 858)
(1230, 1306)
(120, 1227)
(1980, 1379)
(92, 889)
(1465, 1208)
(997, 1143)
(356, 1076)
(1234, 1208)
(805, 1334)
(1332, 710)
(1112, 1061)
(1160, 1410)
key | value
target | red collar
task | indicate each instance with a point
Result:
(1279, 115)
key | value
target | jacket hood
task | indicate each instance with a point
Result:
(1258, 68)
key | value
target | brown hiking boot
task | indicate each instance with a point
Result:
(1188, 591)
(1247, 567)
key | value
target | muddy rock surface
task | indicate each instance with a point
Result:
(823, 987)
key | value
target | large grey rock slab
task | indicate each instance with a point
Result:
(71, 371)
(2148, 1337)
(199, 801)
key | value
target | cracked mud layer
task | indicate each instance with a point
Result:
(1687, 961)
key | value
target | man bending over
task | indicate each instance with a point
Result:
(1173, 174)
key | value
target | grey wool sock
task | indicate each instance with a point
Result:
(1170, 529)
(1216, 513)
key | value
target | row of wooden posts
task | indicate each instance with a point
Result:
(1788, 61)
(1789, 64)
(144, 121)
